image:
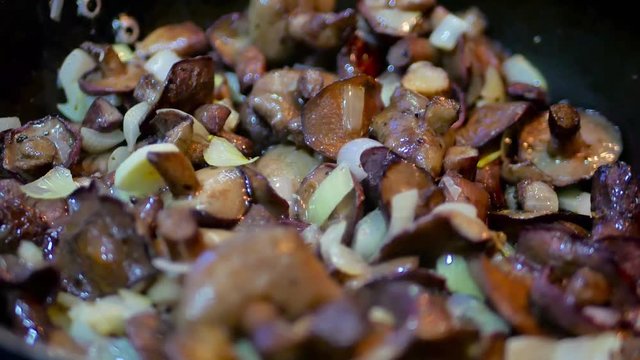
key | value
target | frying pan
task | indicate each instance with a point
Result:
(588, 50)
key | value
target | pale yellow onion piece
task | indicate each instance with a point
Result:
(95, 142)
(425, 78)
(338, 255)
(223, 153)
(460, 207)
(370, 234)
(165, 291)
(455, 271)
(117, 157)
(589, 347)
(171, 267)
(234, 118)
(489, 158)
(403, 211)
(350, 153)
(30, 253)
(55, 184)
(445, 36)
(77, 104)
(517, 69)
(76, 64)
(8, 123)
(329, 194)
(132, 120)
(574, 200)
(493, 89)
(404, 21)
(160, 63)
(136, 175)
(124, 52)
(390, 82)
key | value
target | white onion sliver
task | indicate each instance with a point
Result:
(223, 153)
(403, 211)
(517, 69)
(588, 347)
(132, 120)
(171, 267)
(331, 237)
(95, 142)
(8, 123)
(160, 63)
(446, 35)
(76, 64)
(352, 107)
(370, 234)
(493, 89)
(350, 153)
(455, 270)
(311, 235)
(31, 254)
(55, 184)
(398, 20)
(466, 308)
(125, 54)
(575, 201)
(339, 256)
(136, 176)
(234, 118)
(234, 86)
(390, 82)
(453, 206)
(117, 157)
(328, 195)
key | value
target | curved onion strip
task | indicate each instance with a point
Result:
(160, 63)
(124, 52)
(95, 142)
(349, 155)
(455, 270)
(445, 36)
(55, 184)
(390, 82)
(116, 158)
(132, 120)
(489, 158)
(588, 347)
(574, 200)
(370, 235)
(136, 175)
(461, 207)
(339, 256)
(517, 69)
(171, 267)
(352, 106)
(223, 153)
(328, 195)
(74, 66)
(403, 211)
(8, 123)
(493, 89)
(467, 308)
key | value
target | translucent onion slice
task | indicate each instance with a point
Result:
(463, 208)
(338, 255)
(95, 142)
(517, 69)
(110, 348)
(493, 89)
(124, 52)
(31, 254)
(55, 184)
(350, 153)
(456, 271)
(370, 234)
(445, 36)
(136, 175)
(245, 350)
(8, 123)
(390, 82)
(171, 267)
(76, 64)
(399, 21)
(589, 347)
(467, 308)
(574, 200)
(132, 120)
(489, 158)
(160, 63)
(329, 194)
(223, 153)
(403, 211)
(234, 118)
(117, 157)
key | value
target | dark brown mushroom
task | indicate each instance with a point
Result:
(188, 85)
(525, 92)
(176, 170)
(212, 116)
(263, 193)
(341, 112)
(148, 89)
(291, 278)
(458, 189)
(111, 75)
(185, 39)
(148, 332)
(463, 160)
(102, 116)
(410, 49)
(321, 30)
(310, 83)
(512, 222)
(33, 149)
(100, 251)
(359, 56)
(396, 18)
(489, 178)
(489, 121)
(257, 217)
(402, 128)
(441, 114)
(403, 176)
(374, 162)
(244, 144)
(179, 228)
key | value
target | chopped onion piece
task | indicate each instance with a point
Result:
(398, 20)
(124, 52)
(461, 207)
(133, 118)
(223, 153)
(390, 82)
(350, 153)
(403, 211)
(165, 291)
(517, 69)
(160, 63)
(445, 36)
(116, 158)
(329, 194)
(538, 196)
(55, 184)
(8, 123)
(137, 176)
(234, 118)
(589, 347)
(171, 267)
(31, 254)
(95, 142)
(574, 200)
(74, 66)
(489, 158)
(455, 270)
(370, 235)
(493, 89)
(311, 235)
(339, 256)
(112, 349)
(467, 308)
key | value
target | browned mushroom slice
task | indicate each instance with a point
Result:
(147, 332)
(98, 83)
(321, 30)
(20, 221)
(513, 221)
(229, 35)
(411, 49)
(525, 92)
(176, 170)
(148, 89)
(261, 192)
(402, 128)
(489, 121)
(212, 116)
(250, 66)
(463, 160)
(33, 149)
(102, 116)
(596, 143)
(100, 251)
(458, 189)
(189, 84)
(489, 178)
(256, 218)
(291, 278)
(440, 232)
(403, 176)
(396, 18)
(341, 112)
(223, 198)
(185, 39)
(615, 200)
(508, 292)
(441, 114)
(245, 145)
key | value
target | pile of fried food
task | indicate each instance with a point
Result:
(301, 182)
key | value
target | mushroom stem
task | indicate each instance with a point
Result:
(564, 125)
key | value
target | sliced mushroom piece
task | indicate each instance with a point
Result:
(512, 222)
(33, 149)
(148, 89)
(463, 160)
(403, 176)
(250, 66)
(411, 49)
(257, 217)
(262, 193)
(102, 116)
(396, 19)
(97, 83)
(212, 117)
(20, 221)
(341, 112)
(525, 92)
(359, 56)
(489, 121)
(374, 162)
(489, 178)
(178, 227)
(402, 128)
(176, 170)
(188, 85)
(441, 114)
(243, 144)
(615, 201)
(147, 332)
(321, 30)
(458, 189)
(268, 28)
(185, 39)
(596, 143)
(291, 278)
(443, 231)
